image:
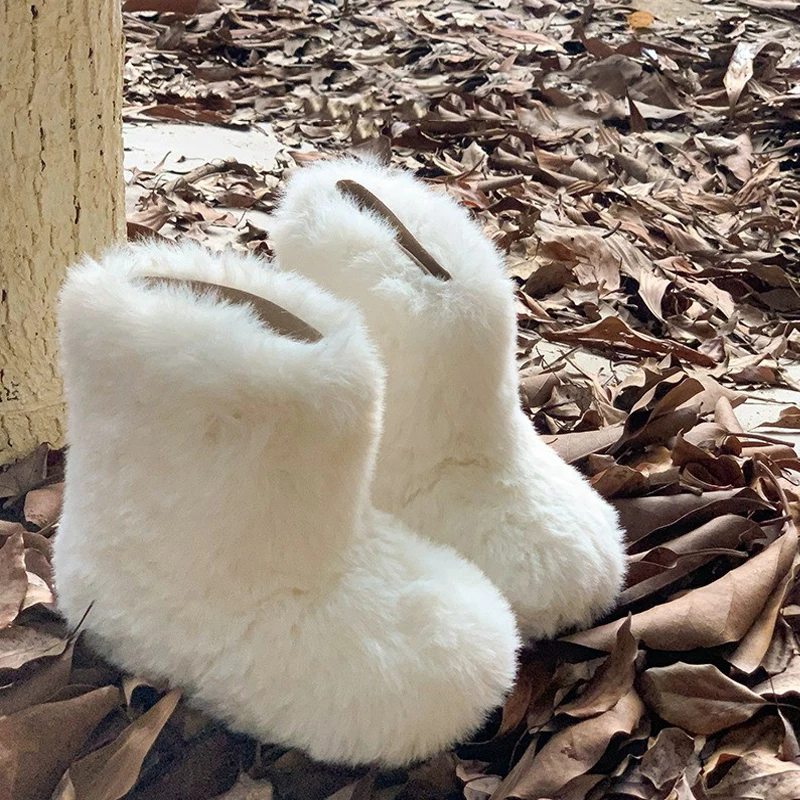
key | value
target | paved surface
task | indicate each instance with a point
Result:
(672, 11)
(182, 147)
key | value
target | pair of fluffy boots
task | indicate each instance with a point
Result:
(324, 515)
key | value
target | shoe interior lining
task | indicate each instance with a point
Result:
(364, 198)
(271, 314)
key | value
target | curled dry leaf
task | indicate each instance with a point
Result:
(613, 679)
(532, 680)
(49, 676)
(13, 578)
(739, 72)
(612, 331)
(37, 592)
(656, 569)
(110, 772)
(175, 6)
(711, 615)
(21, 644)
(762, 734)
(750, 653)
(756, 776)
(789, 417)
(536, 389)
(697, 697)
(666, 760)
(670, 756)
(660, 413)
(43, 506)
(572, 752)
(40, 742)
(136, 232)
(24, 475)
(573, 447)
(785, 684)
(642, 516)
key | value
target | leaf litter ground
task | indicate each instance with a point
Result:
(641, 176)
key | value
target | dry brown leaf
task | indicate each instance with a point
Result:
(571, 752)
(740, 69)
(434, 778)
(661, 413)
(37, 592)
(756, 776)
(536, 389)
(618, 480)
(532, 680)
(697, 697)
(37, 561)
(665, 761)
(110, 772)
(362, 788)
(43, 506)
(208, 766)
(10, 528)
(175, 6)
(613, 679)
(137, 232)
(19, 645)
(26, 474)
(189, 112)
(753, 647)
(50, 675)
(13, 579)
(638, 125)
(481, 788)
(40, 742)
(784, 683)
(613, 332)
(659, 568)
(762, 734)
(528, 37)
(711, 615)
(788, 417)
(641, 516)
(573, 447)
(150, 219)
(772, 5)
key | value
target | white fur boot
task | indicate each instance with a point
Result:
(459, 460)
(217, 523)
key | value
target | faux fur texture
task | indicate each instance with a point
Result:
(217, 517)
(459, 461)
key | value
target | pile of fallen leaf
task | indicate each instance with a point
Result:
(642, 180)
(690, 689)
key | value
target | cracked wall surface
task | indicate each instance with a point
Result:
(61, 189)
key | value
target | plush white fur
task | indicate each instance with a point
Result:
(459, 460)
(217, 517)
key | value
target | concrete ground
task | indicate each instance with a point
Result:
(676, 12)
(182, 147)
